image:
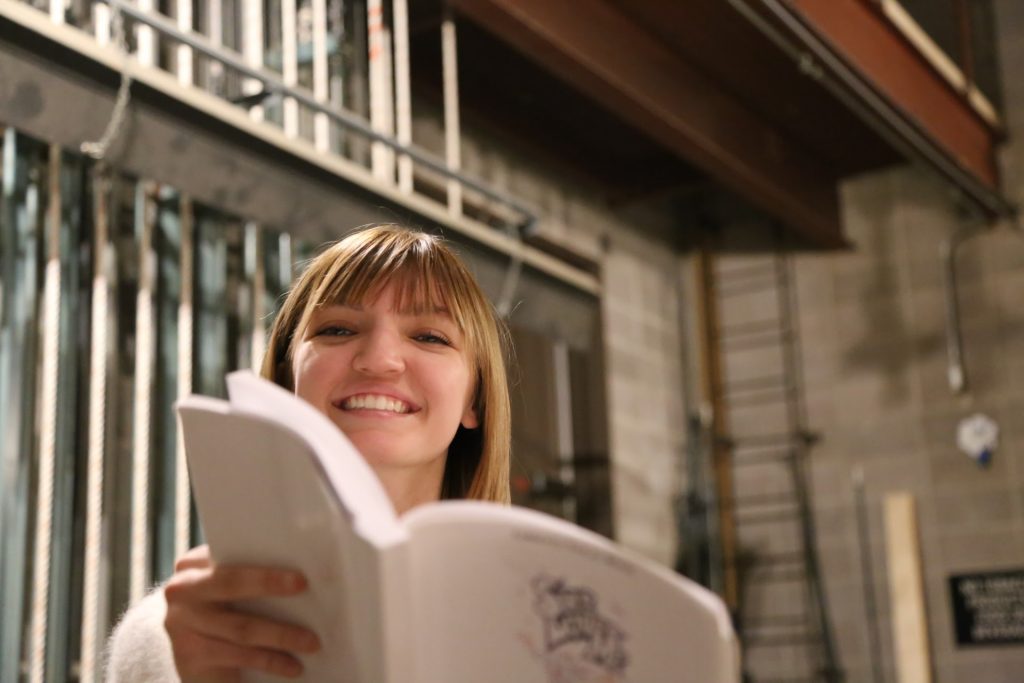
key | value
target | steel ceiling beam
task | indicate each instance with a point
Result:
(623, 68)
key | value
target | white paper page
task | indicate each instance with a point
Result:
(509, 595)
(353, 479)
(262, 500)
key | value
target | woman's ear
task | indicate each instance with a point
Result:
(469, 417)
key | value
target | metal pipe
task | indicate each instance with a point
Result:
(290, 65)
(186, 369)
(450, 87)
(252, 44)
(867, 575)
(403, 96)
(273, 84)
(321, 77)
(956, 373)
(817, 60)
(145, 348)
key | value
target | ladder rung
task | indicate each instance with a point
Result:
(764, 398)
(764, 382)
(749, 286)
(779, 577)
(797, 638)
(760, 500)
(777, 456)
(758, 520)
(774, 620)
(751, 343)
(753, 327)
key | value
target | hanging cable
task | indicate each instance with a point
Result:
(98, 150)
(91, 630)
(48, 427)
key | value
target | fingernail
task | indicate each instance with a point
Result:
(310, 643)
(295, 581)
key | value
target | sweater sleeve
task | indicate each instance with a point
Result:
(139, 650)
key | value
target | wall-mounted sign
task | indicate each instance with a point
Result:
(988, 609)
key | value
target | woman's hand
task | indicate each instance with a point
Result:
(213, 642)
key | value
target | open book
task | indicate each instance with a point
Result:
(452, 592)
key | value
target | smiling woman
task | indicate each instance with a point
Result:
(405, 314)
(389, 335)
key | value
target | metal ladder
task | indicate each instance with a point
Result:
(760, 445)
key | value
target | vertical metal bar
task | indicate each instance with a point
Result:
(257, 285)
(182, 496)
(290, 65)
(215, 31)
(252, 48)
(563, 425)
(868, 576)
(92, 630)
(144, 357)
(403, 96)
(183, 9)
(47, 426)
(101, 22)
(57, 10)
(145, 37)
(380, 90)
(452, 135)
(336, 68)
(713, 402)
(19, 221)
(321, 78)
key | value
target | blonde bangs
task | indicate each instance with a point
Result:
(426, 279)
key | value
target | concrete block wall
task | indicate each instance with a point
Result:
(874, 359)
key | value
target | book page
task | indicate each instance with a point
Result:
(508, 595)
(264, 499)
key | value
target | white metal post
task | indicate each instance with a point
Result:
(146, 37)
(290, 65)
(182, 494)
(145, 339)
(403, 96)
(381, 119)
(252, 48)
(256, 274)
(101, 22)
(183, 8)
(215, 28)
(92, 588)
(57, 9)
(452, 136)
(47, 427)
(321, 78)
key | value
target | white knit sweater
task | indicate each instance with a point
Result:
(139, 650)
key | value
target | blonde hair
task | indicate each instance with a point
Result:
(426, 273)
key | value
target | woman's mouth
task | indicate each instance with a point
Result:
(379, 402)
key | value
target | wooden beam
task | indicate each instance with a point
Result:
(873, 45)
(911, 650)
(627, 70)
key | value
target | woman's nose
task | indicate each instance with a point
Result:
(379, 353)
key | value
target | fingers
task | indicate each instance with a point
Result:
(243, 629)
(224, 583)
(194, 558)
(196, 654)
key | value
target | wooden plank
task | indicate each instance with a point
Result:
(651, 87)
(906, 590)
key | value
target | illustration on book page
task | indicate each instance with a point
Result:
(581, 645)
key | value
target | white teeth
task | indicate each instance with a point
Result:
(375, 402)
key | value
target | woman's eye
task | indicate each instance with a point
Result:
(433, 338)
(334, 331)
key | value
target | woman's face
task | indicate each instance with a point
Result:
(397, 383)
